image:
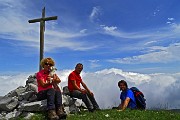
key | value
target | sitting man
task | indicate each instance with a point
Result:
(127, 97)
(48, 89)
(74, 81)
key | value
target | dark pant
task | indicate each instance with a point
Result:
(88, 99)
(54, 98)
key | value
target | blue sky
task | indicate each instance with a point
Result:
(133, 35)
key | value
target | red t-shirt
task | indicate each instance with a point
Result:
(74, 76)
(41, 75)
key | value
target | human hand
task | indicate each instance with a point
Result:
(83, 91)
(55, 78)
(49, 79)
(91, 93)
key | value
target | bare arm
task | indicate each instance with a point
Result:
(85, 87)
(56, 79)
(125, 103)
(120, 105)
(44, 84)
(76, 87)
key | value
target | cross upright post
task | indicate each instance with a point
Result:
(42, 29)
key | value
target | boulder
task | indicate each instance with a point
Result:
(78, 102)
(67, 100)
(33, 98)
(13, 114)
(27, 115)
(31, 87)
(16, 92)
(66, 109)
(25, 95)
(3, 115)
(8, 103)
(66, 90)
(34, 106)
(32, 79)
(73, 109)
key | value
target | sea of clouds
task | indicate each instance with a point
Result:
(161, 90)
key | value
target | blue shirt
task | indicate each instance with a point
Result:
(128, 93)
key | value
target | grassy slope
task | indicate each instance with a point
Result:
(125, 115)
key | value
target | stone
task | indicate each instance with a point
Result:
(74, 109)
(8, 103)
(66, 90)
(32, 87)
(66, 109)
(3, 115)
(34, 106)
(16, 92)
(32, 79)
(78, 102)
(25, 95)
(67, 100)
(83, 105)
(28, 115)
(13, 114)
(33, 98)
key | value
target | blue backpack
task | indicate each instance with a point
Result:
(139, 97)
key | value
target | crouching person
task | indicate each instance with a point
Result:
(74, 81)
(48, 89)
(127, 96)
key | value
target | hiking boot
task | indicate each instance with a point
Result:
(61, 113)
(52, 115)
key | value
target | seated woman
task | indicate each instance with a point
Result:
(46, 90)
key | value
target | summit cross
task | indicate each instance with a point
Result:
(42, 29)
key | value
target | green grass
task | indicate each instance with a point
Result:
(126, 115)
(116, 115)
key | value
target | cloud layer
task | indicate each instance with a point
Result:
(161, 90)
(155, 54)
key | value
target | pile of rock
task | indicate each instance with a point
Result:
(23, 101)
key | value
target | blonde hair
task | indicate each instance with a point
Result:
(47, 60)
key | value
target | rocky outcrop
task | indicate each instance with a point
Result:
(23, 101)
(8, 103)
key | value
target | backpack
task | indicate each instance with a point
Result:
(139, 97)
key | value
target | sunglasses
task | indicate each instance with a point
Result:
(49, 64)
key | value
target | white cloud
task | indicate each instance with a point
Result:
(161, 34)
(156, 54)
(95, 13)
(94, 64)
(150, 42)
(113, 31)
(156, 11)
(14, 26)
(110, 29)
(159, 89)
(171, 19)
(83, 31)
(154, 14)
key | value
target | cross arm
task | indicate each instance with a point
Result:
(43, 19)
